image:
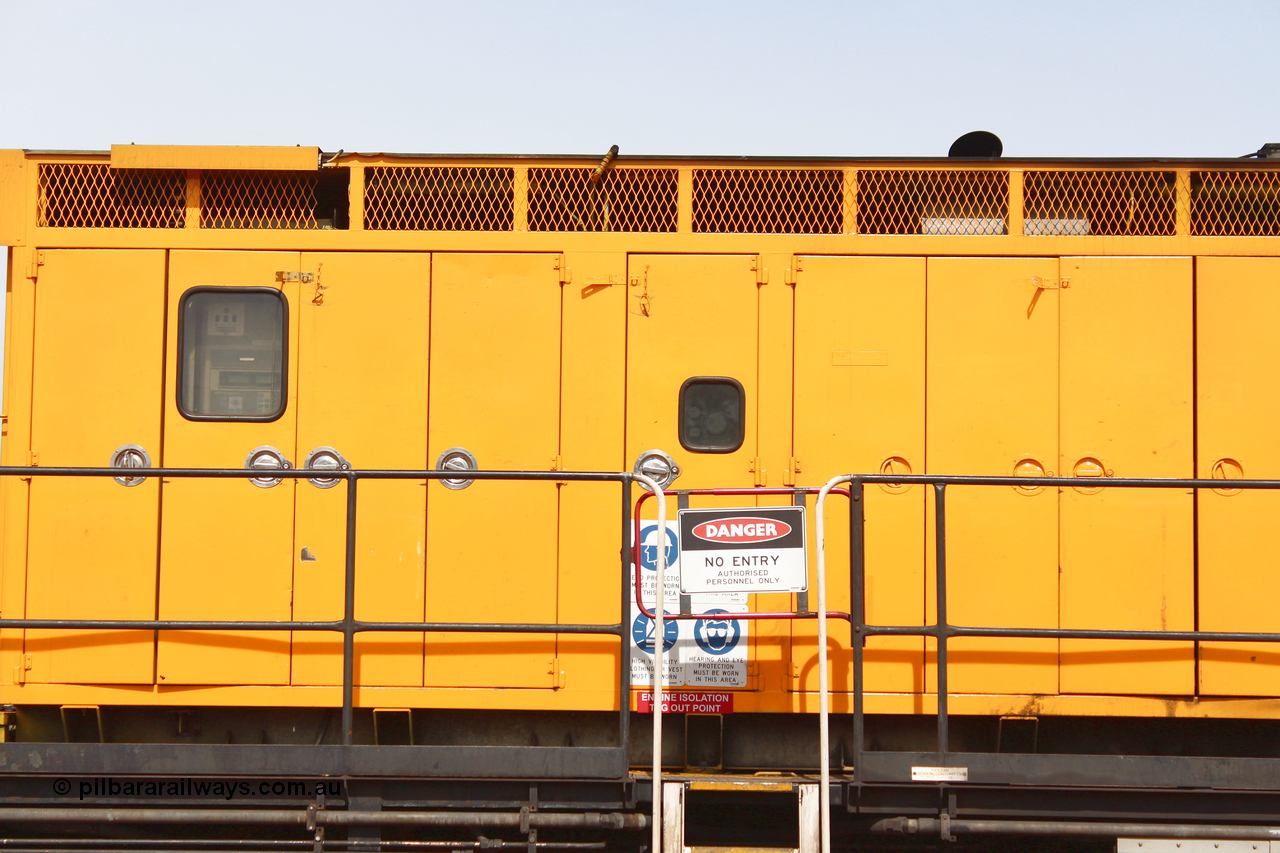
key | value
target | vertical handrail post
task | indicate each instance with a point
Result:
(624, 665)
(659, 657)
(858, 612)
(824, 697)
(942, 629)
(349, 619)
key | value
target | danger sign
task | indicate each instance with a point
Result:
(743, 550)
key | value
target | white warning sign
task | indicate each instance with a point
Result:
(710, 651)
(743, 550)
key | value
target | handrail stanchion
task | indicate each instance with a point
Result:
(857, 611)
(942, 627)
(659, 655)
(824, 736)
(349, 620)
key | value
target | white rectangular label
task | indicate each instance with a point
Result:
(939, 774)
(744, 550)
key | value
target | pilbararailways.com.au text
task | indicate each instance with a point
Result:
(227, 789)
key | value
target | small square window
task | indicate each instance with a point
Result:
(712, 414)
(231, 342)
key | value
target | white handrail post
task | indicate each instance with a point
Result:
(659, 655)
(824, 735)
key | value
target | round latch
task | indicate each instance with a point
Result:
(456, 459)
(1227, 469)
(895, 465)
(1089, 466)
(1029, 468)
(658, 466)
(266, 458)
(326, 459)
(130, 456)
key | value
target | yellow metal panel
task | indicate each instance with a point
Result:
(594, 307)
(495, 390)
(14, 199)
(992, 381)
(96, 387)
(1126, 554)
(690, 315)
(865, 414)
(1237, 311)
(297, 159)
(362, 390)
(225, 545)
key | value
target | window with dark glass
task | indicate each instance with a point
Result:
(712, 412)
(233, 356)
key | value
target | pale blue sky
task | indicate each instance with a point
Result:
(1124, 77)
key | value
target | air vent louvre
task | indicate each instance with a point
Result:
(1236, 203)
(768, 201)
(439, 198)
(1106, 203)
(624, 199)
(918, 201)
(93, 195)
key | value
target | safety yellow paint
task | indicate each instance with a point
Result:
(13, 177)
(1237, 311)
(1126, 555)
(96, 386)
(865, 415)
(993, 401)
(225, 545)
(299, 158)
(593, 305)
(363, 328)
(495, 390)
(690, 315)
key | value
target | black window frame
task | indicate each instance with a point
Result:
(180, 385)
(742, 423)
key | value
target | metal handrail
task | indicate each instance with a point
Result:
(348, 625)
(942, 630)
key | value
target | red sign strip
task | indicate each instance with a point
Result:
(687, 702)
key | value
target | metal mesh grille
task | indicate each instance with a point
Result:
(439, 198)
(235, 199)
(926, 202)
(93, 195)
(1243, 203)
(768, 201)
(623, 200)
(1067, 203)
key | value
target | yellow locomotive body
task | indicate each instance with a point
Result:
(194, 307)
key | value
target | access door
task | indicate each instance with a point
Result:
(1127, 555)
(363, 329)
(993, 409)
(96, 389)
(495, 399)
(1237, 313)
(230, 402)
(859, 408)
(694, 341)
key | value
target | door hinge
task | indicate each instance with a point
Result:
(761, 271)
(793, 468)
(37, 261)
(756, 466)
(285, 276)
(557, 463)
(566, 274)
(797, 266)
(20, 671)
(33, 458)
(557, 674)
